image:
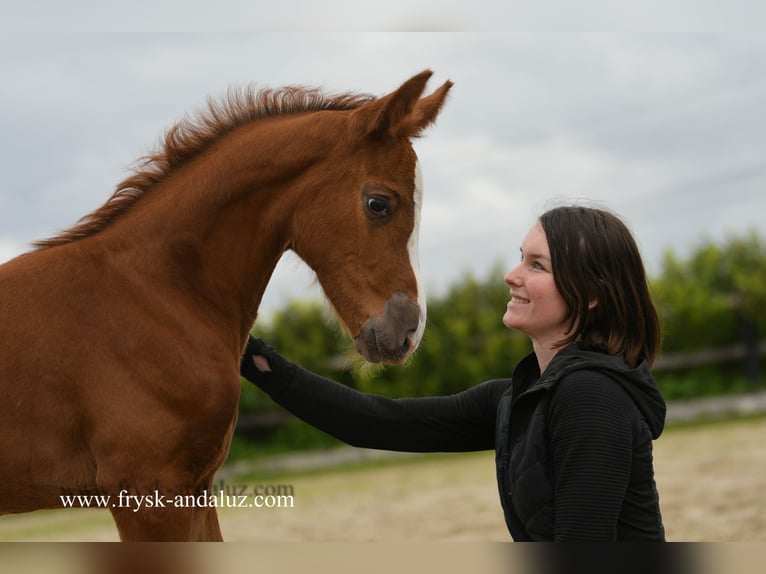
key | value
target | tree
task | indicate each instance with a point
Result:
(704, 299)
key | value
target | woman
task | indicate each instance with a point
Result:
(573, 427)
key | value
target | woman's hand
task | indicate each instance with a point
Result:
(257, 359)
(262, 363)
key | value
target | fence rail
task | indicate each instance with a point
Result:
(738, 352)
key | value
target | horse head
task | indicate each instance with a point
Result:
(358, 228)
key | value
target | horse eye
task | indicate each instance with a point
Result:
(378, 205)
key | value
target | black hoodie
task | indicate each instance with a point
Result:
(574, 449)
(573, 446)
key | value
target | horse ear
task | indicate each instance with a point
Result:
(401, 113)
(425, 112)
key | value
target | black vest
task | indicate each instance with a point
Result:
(522, 458)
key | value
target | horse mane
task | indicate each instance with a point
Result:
(194, 134)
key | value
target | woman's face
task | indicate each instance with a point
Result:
(536, 307)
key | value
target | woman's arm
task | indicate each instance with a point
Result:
(461, 422)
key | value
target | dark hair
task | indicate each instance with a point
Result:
(595, 258)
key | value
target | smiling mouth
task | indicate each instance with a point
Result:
(519, 300)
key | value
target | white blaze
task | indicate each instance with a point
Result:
(412, 248)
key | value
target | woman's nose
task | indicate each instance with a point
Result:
(512, 277)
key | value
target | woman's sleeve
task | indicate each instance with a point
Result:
(460, 422)
(591, 422)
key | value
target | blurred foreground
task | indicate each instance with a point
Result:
(382, 558)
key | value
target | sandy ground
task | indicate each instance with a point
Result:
(711, 478)
(712, 482)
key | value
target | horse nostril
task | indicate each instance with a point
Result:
(406, 345)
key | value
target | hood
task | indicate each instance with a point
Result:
(638, 381)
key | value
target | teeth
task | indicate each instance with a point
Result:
(515, 299)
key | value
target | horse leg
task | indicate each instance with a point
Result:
(206, 527)
(154, 524)
(166, 496)
(177, 507)
(167, 524)
(176, 525)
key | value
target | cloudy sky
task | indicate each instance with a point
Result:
(667, 129)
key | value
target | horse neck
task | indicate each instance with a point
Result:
(214, 230)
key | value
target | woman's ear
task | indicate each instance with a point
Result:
(592, 304)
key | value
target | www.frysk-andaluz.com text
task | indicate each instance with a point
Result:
(231, 496)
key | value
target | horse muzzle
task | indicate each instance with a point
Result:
(393, 335)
